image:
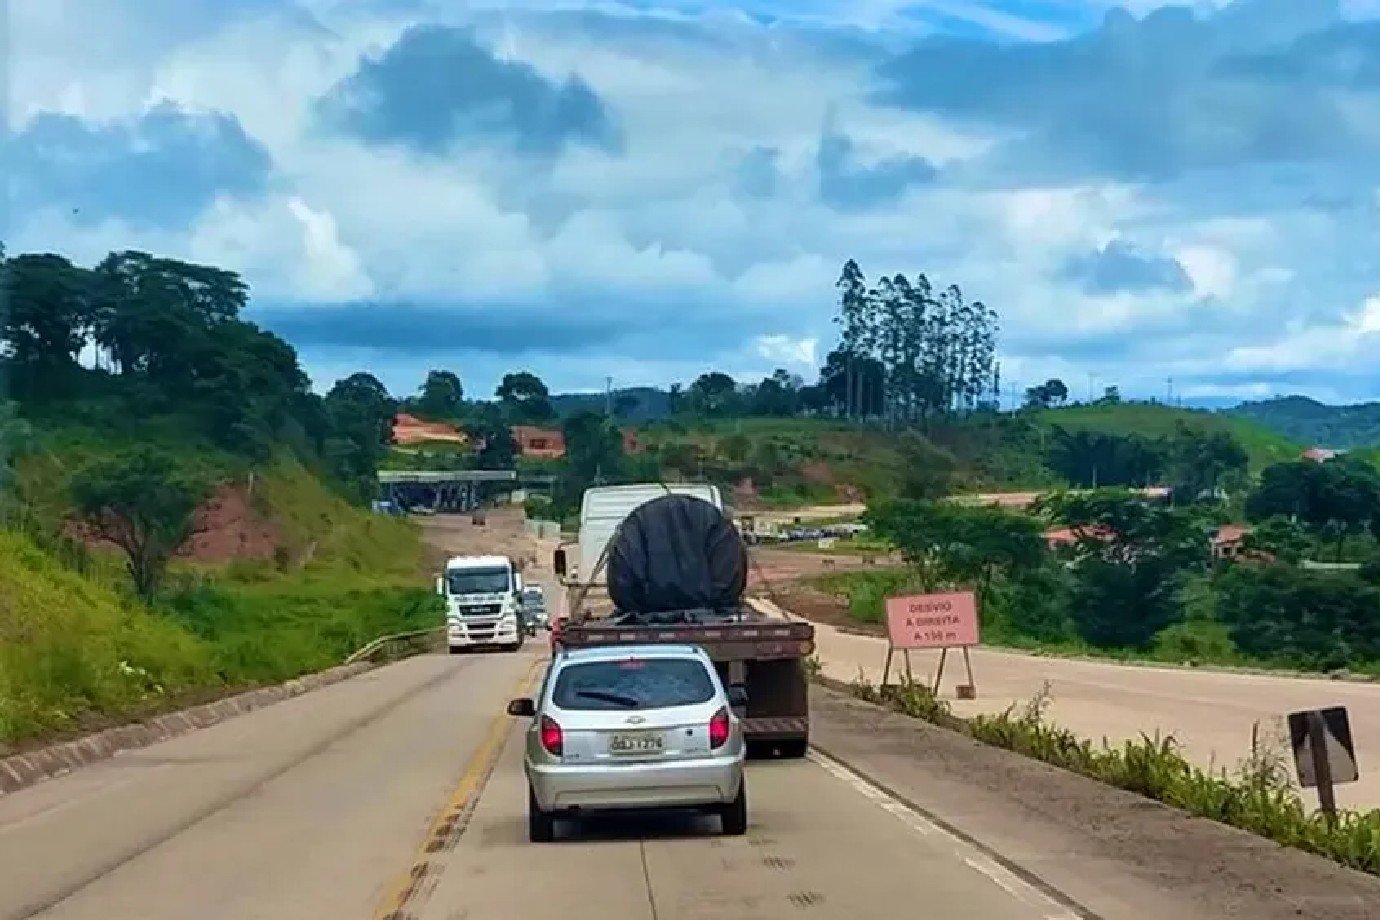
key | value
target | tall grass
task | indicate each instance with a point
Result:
(1258, 796)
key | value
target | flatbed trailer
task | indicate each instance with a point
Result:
(763, 655)
(766, 655)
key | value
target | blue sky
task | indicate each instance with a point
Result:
(643, 189)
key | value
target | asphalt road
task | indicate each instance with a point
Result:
(334, 803)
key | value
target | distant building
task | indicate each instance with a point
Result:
(1226, 543)
(546, 443)
(408, 429)
(1319, 454)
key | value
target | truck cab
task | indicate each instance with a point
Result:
(483, 596)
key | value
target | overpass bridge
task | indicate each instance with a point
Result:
(454, 490)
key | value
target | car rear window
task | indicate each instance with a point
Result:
(633, 683)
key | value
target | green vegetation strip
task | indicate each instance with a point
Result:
(1258, 797)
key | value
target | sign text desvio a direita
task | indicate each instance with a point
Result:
(932, 620)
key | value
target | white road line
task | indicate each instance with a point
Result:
(974, 858)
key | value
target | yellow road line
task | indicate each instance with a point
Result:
(462, 799)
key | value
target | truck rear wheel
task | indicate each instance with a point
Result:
(734, 815)
(793, 748)
(541, 825)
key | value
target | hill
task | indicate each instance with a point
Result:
(1263, 444)
(779, 462)
(186, 518)
(1313, 423)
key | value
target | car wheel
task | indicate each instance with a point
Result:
(734, 815)
(457, 649)
(541, 825)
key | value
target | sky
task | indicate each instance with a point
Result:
(1175, 199)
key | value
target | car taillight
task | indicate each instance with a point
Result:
(718, 728)
(552, 739)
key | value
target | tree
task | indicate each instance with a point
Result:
(934, 353)
(1280, 538)
(149, 312)
(144, 502)
(15, 438)
(968, 544)
(777, 395)
(593, 448)
(360, 414)
(1199, 462)
(713, 395)
(1333, 499)
(840, 372)
(47, 321)
(441, 396)
(525, 398)
(1130, 559)
(1052, 392)
(489, 429)
(1317, 620)
(624, 404)
(1092, 459)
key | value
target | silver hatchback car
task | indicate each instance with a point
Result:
(633, 727)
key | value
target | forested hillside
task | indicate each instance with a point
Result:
(180, 515)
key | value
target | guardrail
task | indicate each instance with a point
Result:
(399, 645)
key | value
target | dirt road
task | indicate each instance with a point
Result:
(1210, 713)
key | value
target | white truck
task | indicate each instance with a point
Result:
(483, 597)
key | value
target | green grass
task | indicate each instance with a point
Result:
(1258, 797)
(78, 652)
(1263, 446)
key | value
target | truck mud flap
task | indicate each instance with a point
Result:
(775, 727)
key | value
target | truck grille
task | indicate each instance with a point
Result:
(479, 610)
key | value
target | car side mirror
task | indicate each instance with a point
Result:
(737, 696)
(523, 708)
(558, 562)
(441, 586)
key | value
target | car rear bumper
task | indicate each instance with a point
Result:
(691, 783)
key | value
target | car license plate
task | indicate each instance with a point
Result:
(639, 743)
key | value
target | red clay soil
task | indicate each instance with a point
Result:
(225, 528)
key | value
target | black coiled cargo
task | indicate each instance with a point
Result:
(676, 553)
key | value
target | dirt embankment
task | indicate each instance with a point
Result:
(225, 528)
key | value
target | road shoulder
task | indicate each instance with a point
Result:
(1113, 852)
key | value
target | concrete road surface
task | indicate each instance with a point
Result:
(309, 808)
(820, 843)
(399, 794)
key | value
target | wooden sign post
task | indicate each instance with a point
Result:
(933, 621)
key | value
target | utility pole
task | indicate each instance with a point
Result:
(1169, 391)
(608, 396)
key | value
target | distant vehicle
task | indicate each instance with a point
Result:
(534, 606)
(632, 727)
(483, 601)
(673, 570)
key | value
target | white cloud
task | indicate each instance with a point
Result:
(663, 228)
(1334, 345)
(782, 348)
